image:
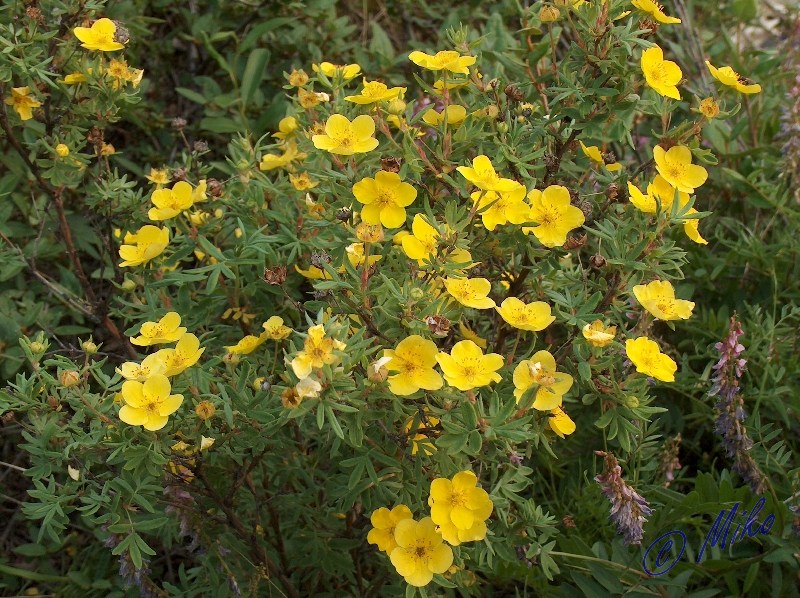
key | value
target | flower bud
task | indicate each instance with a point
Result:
(62, 150)
(632, 402)
(69, 378)
(89, 347)
(396, 106)
(417, 293)
(549, 14)
(128, 285)
(502, 128)
(37, 347)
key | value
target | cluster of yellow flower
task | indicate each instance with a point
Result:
(417, 549)
(146, 390)
(150, 241)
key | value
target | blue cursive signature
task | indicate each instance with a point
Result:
(717, 536)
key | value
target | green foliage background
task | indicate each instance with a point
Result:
(220, 66)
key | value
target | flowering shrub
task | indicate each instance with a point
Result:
(383, 347)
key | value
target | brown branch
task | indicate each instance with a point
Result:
(248, 536)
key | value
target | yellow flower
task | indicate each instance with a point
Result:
(658, 297)
(691, 228)
(289, 155)
(148, 404)
(460, 508)
(384, 523)
(501, 208)
(356, 257)
(655, 11)
(677, 169)
(471, 292)
(415, 428)
(413, 359)
(709, 108)
(466, 367)
(727, 76)
(74, 78)
(345, 138)
(447, 60)
(107, 150)
(119, 72)
(540, 371)
(482, 174)
(62, 150)
(275, 329)
(662, 75)
(167, 330)
(644, 202)
(286, 127)
(302, 182)
(206, 443)
(597, 334)
(595, 155)
(385, 199)
(248, 344)
(22, 103)
(375, 91)
(649, 360)
(420, 551)
(185, 354)
(439, 86)
(555, 216)
(317, 352)
(469, 334)
(158, 176)
(148, 242)
(560, 422)
(100, 36)
(534, 316)
(171, 202)
(298, 78)
(347, 72)
(308, 388)
(150, 366)
(422, 244)
(453, 115)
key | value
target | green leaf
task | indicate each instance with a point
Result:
(253, 73)
(192, 95)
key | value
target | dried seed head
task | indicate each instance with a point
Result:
(344, 214)
(178, 123)
(320, 295)
(597, 261)
(121, 35)
(391, 164)
(650, 26)
(438, 325)
(200, 147)
(568, 521)
(205, 410)
(612, 191)
(575, 241)
(609, 158)
(513, 93)
(215, 187)
(275, 276)
(34, 14)
(587, 208)
(318, 258)
(179, 174)
(550, 162)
